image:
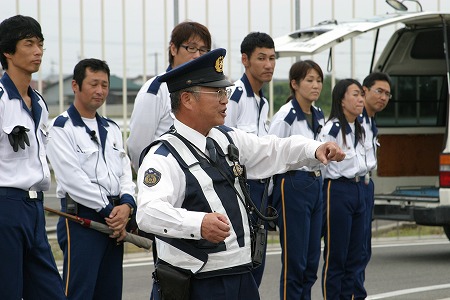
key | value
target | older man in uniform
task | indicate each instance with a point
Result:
(93, 174)
(191, 190)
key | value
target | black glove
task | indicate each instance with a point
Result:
(18, 137)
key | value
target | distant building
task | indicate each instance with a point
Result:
(114, 100)
(51, 92)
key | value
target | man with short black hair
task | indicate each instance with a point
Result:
(377, 88)
(93, 175)
(248, 109)
(28, 268)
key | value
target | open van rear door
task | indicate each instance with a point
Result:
(313, 40)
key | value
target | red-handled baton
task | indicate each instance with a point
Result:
(137, 240)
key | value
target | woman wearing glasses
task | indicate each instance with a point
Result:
(297, 194)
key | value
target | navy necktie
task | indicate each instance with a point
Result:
(211, 148)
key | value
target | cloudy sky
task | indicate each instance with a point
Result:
(228, 21)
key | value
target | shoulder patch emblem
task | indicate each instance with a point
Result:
(151, 177)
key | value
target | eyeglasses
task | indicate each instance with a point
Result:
(193, 49)
(380, 91)
(220, 94)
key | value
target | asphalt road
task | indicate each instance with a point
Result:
(400, 269)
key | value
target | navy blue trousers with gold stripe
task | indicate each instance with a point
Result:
(297, 196)
(344, 208)
(28, 269)
(92, 260)
(360, 290)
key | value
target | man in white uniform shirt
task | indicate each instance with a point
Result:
(248, 109)
(377, 88)
(94, 181)
(151, 114)
(28, 268)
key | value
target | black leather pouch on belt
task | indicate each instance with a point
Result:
(174, 283)
(71, 206)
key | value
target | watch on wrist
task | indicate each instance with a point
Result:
(131, 208)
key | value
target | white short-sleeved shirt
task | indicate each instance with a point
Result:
(26, 169)
(247, 111)
(354, 163)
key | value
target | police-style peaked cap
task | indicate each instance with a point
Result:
(207, 70)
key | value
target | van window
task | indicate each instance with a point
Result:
(417, 101)
(421, 48)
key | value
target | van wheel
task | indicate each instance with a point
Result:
(447, 230)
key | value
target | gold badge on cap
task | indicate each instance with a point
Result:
(219, 64)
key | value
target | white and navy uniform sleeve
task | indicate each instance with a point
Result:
(245, 111)
(151, 117)
(90, 167)
(162, 189)
(26, 169)
(291, 120)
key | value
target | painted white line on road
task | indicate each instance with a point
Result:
(275, 249)
(409, 291)
(403, 244)
(132, 265)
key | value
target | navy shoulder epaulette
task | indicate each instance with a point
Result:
(320, 113)
(154, 86)
(291, 116)
(334, 131)
(60, 121)
(360, 119)
(162, 150)
(111, 121)
(1, 92)
(236, 96)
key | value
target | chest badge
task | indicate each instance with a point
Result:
(237, 169)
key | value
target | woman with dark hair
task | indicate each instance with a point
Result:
(297, 194)
(343, 192)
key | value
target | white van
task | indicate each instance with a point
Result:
(412, 182)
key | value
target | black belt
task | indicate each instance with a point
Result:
(355, 179)
(15, 192)
(314, 174)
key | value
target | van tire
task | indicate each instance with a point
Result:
(447, 230)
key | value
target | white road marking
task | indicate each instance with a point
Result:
(409, 291)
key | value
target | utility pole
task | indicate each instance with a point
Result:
(175, 13)
(155, 54)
